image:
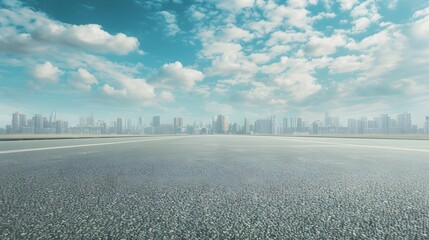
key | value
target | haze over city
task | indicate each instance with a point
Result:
(198, 59)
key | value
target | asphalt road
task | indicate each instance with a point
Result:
(214, 187)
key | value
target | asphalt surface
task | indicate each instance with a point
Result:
(214, 187)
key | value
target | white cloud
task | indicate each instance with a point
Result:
(166, 96)
(234, 5)
(420, 28)
(46, 73)
(33, 32)
(220, 48)
(365, 14)
(324, 46)
(300, 85)
(111, 91)
(90, 36)
(171, 23)
(296, 17)
(350, 63)
(176, 75)
(82, 79)
(259, 58)
(285, 37)
(421, 13)
(232, 33)
(347, 4)
(392, 4)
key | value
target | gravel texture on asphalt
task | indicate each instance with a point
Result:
(215, 187)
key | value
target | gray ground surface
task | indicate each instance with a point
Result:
(216, 187)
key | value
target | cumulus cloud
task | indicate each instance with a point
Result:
(365, 14)
(82, 80)
(234, 5)
(90, 36)
(347, 4)
(171, 23)
(235, 33)
(174, 75)
(166, 96)
(27, 31)
(111, 91)
(350, 63)
(46, 73)
(324, 46)
(299, 85)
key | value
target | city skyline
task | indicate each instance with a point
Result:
(197, 59)
(403, 123)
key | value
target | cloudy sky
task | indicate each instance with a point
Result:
(201, 58)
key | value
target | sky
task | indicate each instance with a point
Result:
(196, 59)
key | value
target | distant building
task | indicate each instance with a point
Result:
(156, 121)
(285, 126)
(265, 126)
(120, 126)
(38, 121)
(383, 124)
(220, 124)
(427, 125)
(404, 123)
(178, 125)
(246, 126)
(352, 126)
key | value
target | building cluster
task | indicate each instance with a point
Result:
(38, 124)
(382, 124)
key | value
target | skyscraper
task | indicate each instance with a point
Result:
(15, 123)
(352, 126)
(156, 121)
(246, 126)
(403, 123)
(285, 126)
(265, 126)
(383, 123)
(220, 124)
(427, 125)
(299, 124)
(120, 122)
(177, 124)
(38, 120)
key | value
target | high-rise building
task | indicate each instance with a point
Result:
(293, 125)
(156, 121)
(427, 125)
(38, 121)
(120, 122)
(178, 125)
(178, 122)
(220, 124)
(299, 125)
(15, 123)
(265, 126)
(246, 126)
(383, 123)
(404, 123)
(352, 126)
(285, 126)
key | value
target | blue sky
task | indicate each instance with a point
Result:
(202, 58)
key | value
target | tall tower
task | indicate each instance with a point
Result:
(246, 126)
(156, 121)
(427, 125)
(15, 123)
